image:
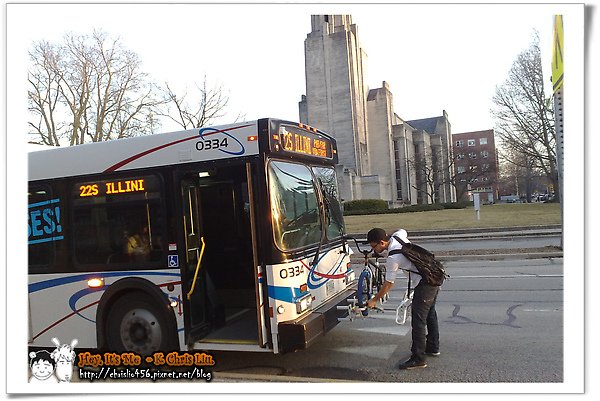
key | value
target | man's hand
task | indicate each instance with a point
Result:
(372, 303)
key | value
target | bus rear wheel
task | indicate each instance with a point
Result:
(136, 324)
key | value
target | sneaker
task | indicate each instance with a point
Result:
(430, 353)
(412, 364)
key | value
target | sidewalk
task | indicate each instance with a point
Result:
(483, 233)
(487, 232)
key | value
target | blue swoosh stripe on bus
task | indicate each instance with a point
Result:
(334, 268)
(49, 202)
(314, 281)
(42, 285)
(239, 153)
(80, 294)
(285, 294)
(39, 241)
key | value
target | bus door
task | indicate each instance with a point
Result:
(223, 306)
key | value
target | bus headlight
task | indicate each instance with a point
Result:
(304, 303)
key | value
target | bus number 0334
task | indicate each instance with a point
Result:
(291, 271)
(209, 144)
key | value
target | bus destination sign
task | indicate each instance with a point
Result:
(112, 187)
(297, 140)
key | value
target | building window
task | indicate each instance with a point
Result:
(485, 154)
(460, 156)
(471, 142)
(397, 165)
(460, 169)
(460, 144)
(483, 141)
(473, 155)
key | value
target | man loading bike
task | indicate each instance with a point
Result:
(425, 332)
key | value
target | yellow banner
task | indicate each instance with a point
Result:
(557, 53)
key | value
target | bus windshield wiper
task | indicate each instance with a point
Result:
(324, 209)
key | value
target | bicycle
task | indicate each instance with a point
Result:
(370, 281)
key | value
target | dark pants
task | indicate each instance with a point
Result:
(425, 332)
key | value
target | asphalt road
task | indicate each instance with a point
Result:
(500, 322)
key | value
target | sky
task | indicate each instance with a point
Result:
(434, 57)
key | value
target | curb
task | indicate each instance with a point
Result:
(535, 229)
(503, 256)
(484, 256)
(475, 233)
(470, 231)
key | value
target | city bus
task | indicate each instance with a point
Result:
(218, 238)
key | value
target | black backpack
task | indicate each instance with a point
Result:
(429, 268)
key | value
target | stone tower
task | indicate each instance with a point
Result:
(381, 156)
(335, 99)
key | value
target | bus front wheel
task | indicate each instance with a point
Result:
(135, 323)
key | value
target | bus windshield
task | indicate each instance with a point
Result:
(334, 217)
(294, 205)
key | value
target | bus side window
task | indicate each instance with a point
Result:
(118, 229)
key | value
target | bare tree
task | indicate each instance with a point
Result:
(203, 107)
(520, 170)
(524, 116)
(432, 174)
(44, 95)
(89, 88)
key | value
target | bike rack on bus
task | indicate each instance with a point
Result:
(354, 310)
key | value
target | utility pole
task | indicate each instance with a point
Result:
(557, 87)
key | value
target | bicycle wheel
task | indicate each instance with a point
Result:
(364, 290)
(378, 281)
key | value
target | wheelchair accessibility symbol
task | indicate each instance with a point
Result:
(173, 261)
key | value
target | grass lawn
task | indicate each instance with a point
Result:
(499, 215)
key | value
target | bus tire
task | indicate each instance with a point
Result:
(135, 323)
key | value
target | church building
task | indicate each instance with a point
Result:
(381, 156)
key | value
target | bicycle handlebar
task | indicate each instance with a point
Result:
(365, 252)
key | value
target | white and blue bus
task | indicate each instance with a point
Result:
(218, 238)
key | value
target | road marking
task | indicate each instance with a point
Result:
(388, 315)
(395, 330)
(542, 310)
(372, 351)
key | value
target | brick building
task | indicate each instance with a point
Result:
(475, 165)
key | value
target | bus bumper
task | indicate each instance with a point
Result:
(297, 335)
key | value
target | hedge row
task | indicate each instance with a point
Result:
(365, 204)
(359, 207)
